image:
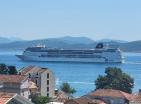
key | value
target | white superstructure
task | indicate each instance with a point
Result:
(100, 54)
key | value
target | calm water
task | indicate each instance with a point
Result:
(81, 76)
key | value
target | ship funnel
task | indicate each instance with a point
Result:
(99, 45)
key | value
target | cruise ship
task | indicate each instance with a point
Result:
(99, 54)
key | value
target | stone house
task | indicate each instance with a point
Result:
(15, 84)
(43, 78)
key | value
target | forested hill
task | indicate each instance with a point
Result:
(71, 43)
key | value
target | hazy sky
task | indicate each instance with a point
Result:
(97, 19)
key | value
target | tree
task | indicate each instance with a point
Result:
(65, 87)
(12, 70)
(115, 79)
(3, 69)
(39, 99)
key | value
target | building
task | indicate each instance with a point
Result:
(61, 96)
(136, 98)
(42, 77)
(33, 88)
(84, 100)
(12, 98)
(110, 96)
(15, 84)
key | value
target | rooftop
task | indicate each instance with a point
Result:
(85, 100)
(12, 78)
(10, 97)
(137, 98)
(32, 85)
(5, 97)
(111, 93)
(32, 69)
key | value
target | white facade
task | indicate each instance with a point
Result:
(15, 85)
(25, 89)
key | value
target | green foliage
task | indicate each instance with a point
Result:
(4, 69)
(12, 70)
(65, 87)
(39, 99)
(115, 79)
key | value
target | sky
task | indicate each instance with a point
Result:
(96, 19)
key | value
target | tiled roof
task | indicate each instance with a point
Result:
(84, 100)
(5, 97)
(111, 93)
(12, 78)
(32, 69)
(32, 85)
(62, 96)
(26, 69)
(137, 98)
(8, 97)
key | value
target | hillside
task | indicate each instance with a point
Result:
(72, 43)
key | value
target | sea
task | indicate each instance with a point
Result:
(80, 76)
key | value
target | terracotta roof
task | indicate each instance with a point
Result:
(85, 100)
(5, 97)
(136, 98)
(62, 96)
(12, 78)
(32, 69)
(26, 69)
(32, 85)
(111, 93)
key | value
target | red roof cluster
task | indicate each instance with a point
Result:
(12, 78)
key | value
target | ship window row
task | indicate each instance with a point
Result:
(79, 56)
(67, 51)
(72, 52)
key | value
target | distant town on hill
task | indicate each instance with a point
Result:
(68, 42)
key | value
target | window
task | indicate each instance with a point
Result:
(47, 82)
(47, 89)
(23, 93)
(47, 75)
(29, 75)
(47, 94)
(36, 82)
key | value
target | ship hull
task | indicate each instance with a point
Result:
(62, 59)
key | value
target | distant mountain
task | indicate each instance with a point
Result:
(8, 40)
(73, 40)
(70, 43)
(112, 40)
(134, 46)
(4, 40)
(15, 39)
